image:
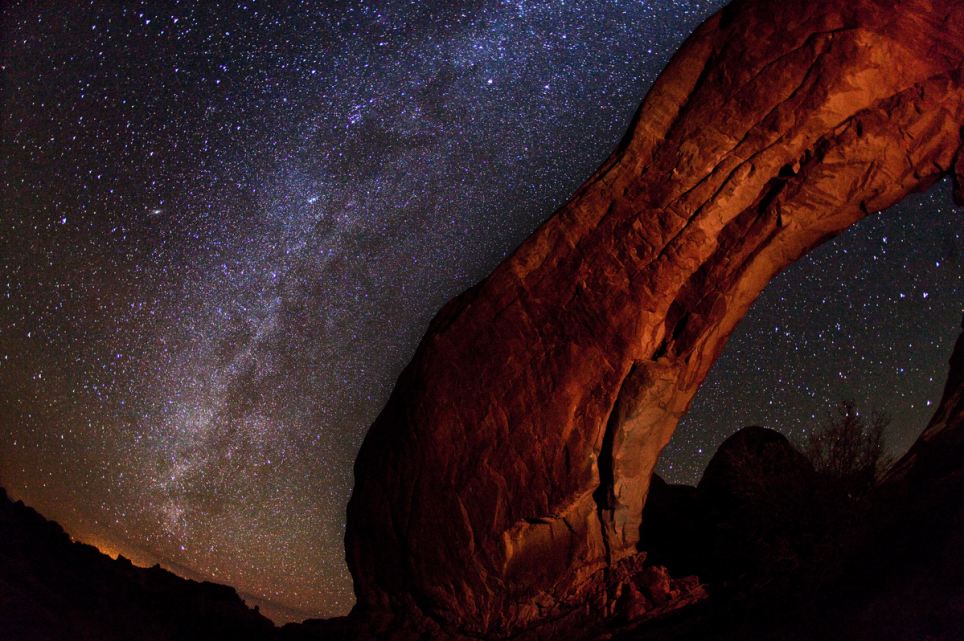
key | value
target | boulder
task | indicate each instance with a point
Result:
(760, 509)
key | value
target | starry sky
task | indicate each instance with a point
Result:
(225, 225)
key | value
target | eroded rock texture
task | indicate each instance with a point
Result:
(502, 486)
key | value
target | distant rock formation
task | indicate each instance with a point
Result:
(744, 522)
(53, 589)
(502, 487)
(776, 541)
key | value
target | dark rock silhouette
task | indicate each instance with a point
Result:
(501, 492)
(899, 574)
(53, 589)
(750, 521)
(777, 544)
(502, 487)
(754, 496)
(934, 461)
(672, 531)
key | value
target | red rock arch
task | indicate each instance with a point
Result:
(502, 486)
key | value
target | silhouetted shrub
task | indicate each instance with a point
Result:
(848, 449)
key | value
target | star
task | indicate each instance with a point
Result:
(266, 210)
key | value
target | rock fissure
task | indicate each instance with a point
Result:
(536, 407)
(604, 496)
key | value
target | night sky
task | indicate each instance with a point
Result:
(224, 227)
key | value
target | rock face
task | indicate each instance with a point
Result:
(504, 482)
(935, 460)
(776, 541)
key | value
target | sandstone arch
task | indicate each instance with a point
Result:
(502, 486)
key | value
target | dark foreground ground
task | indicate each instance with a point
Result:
(785, 552)
(781, 561)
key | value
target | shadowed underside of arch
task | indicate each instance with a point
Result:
(502, 486)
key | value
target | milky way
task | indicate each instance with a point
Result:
(224, 228)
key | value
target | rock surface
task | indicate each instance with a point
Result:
(882, 565)
(935, 459)
(504, 482)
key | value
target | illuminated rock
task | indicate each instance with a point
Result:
(501, 488)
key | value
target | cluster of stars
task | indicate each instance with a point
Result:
(871, 316)
(225, 228)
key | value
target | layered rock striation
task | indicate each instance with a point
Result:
(502, 487)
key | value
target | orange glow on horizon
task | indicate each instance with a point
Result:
(113, 551)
